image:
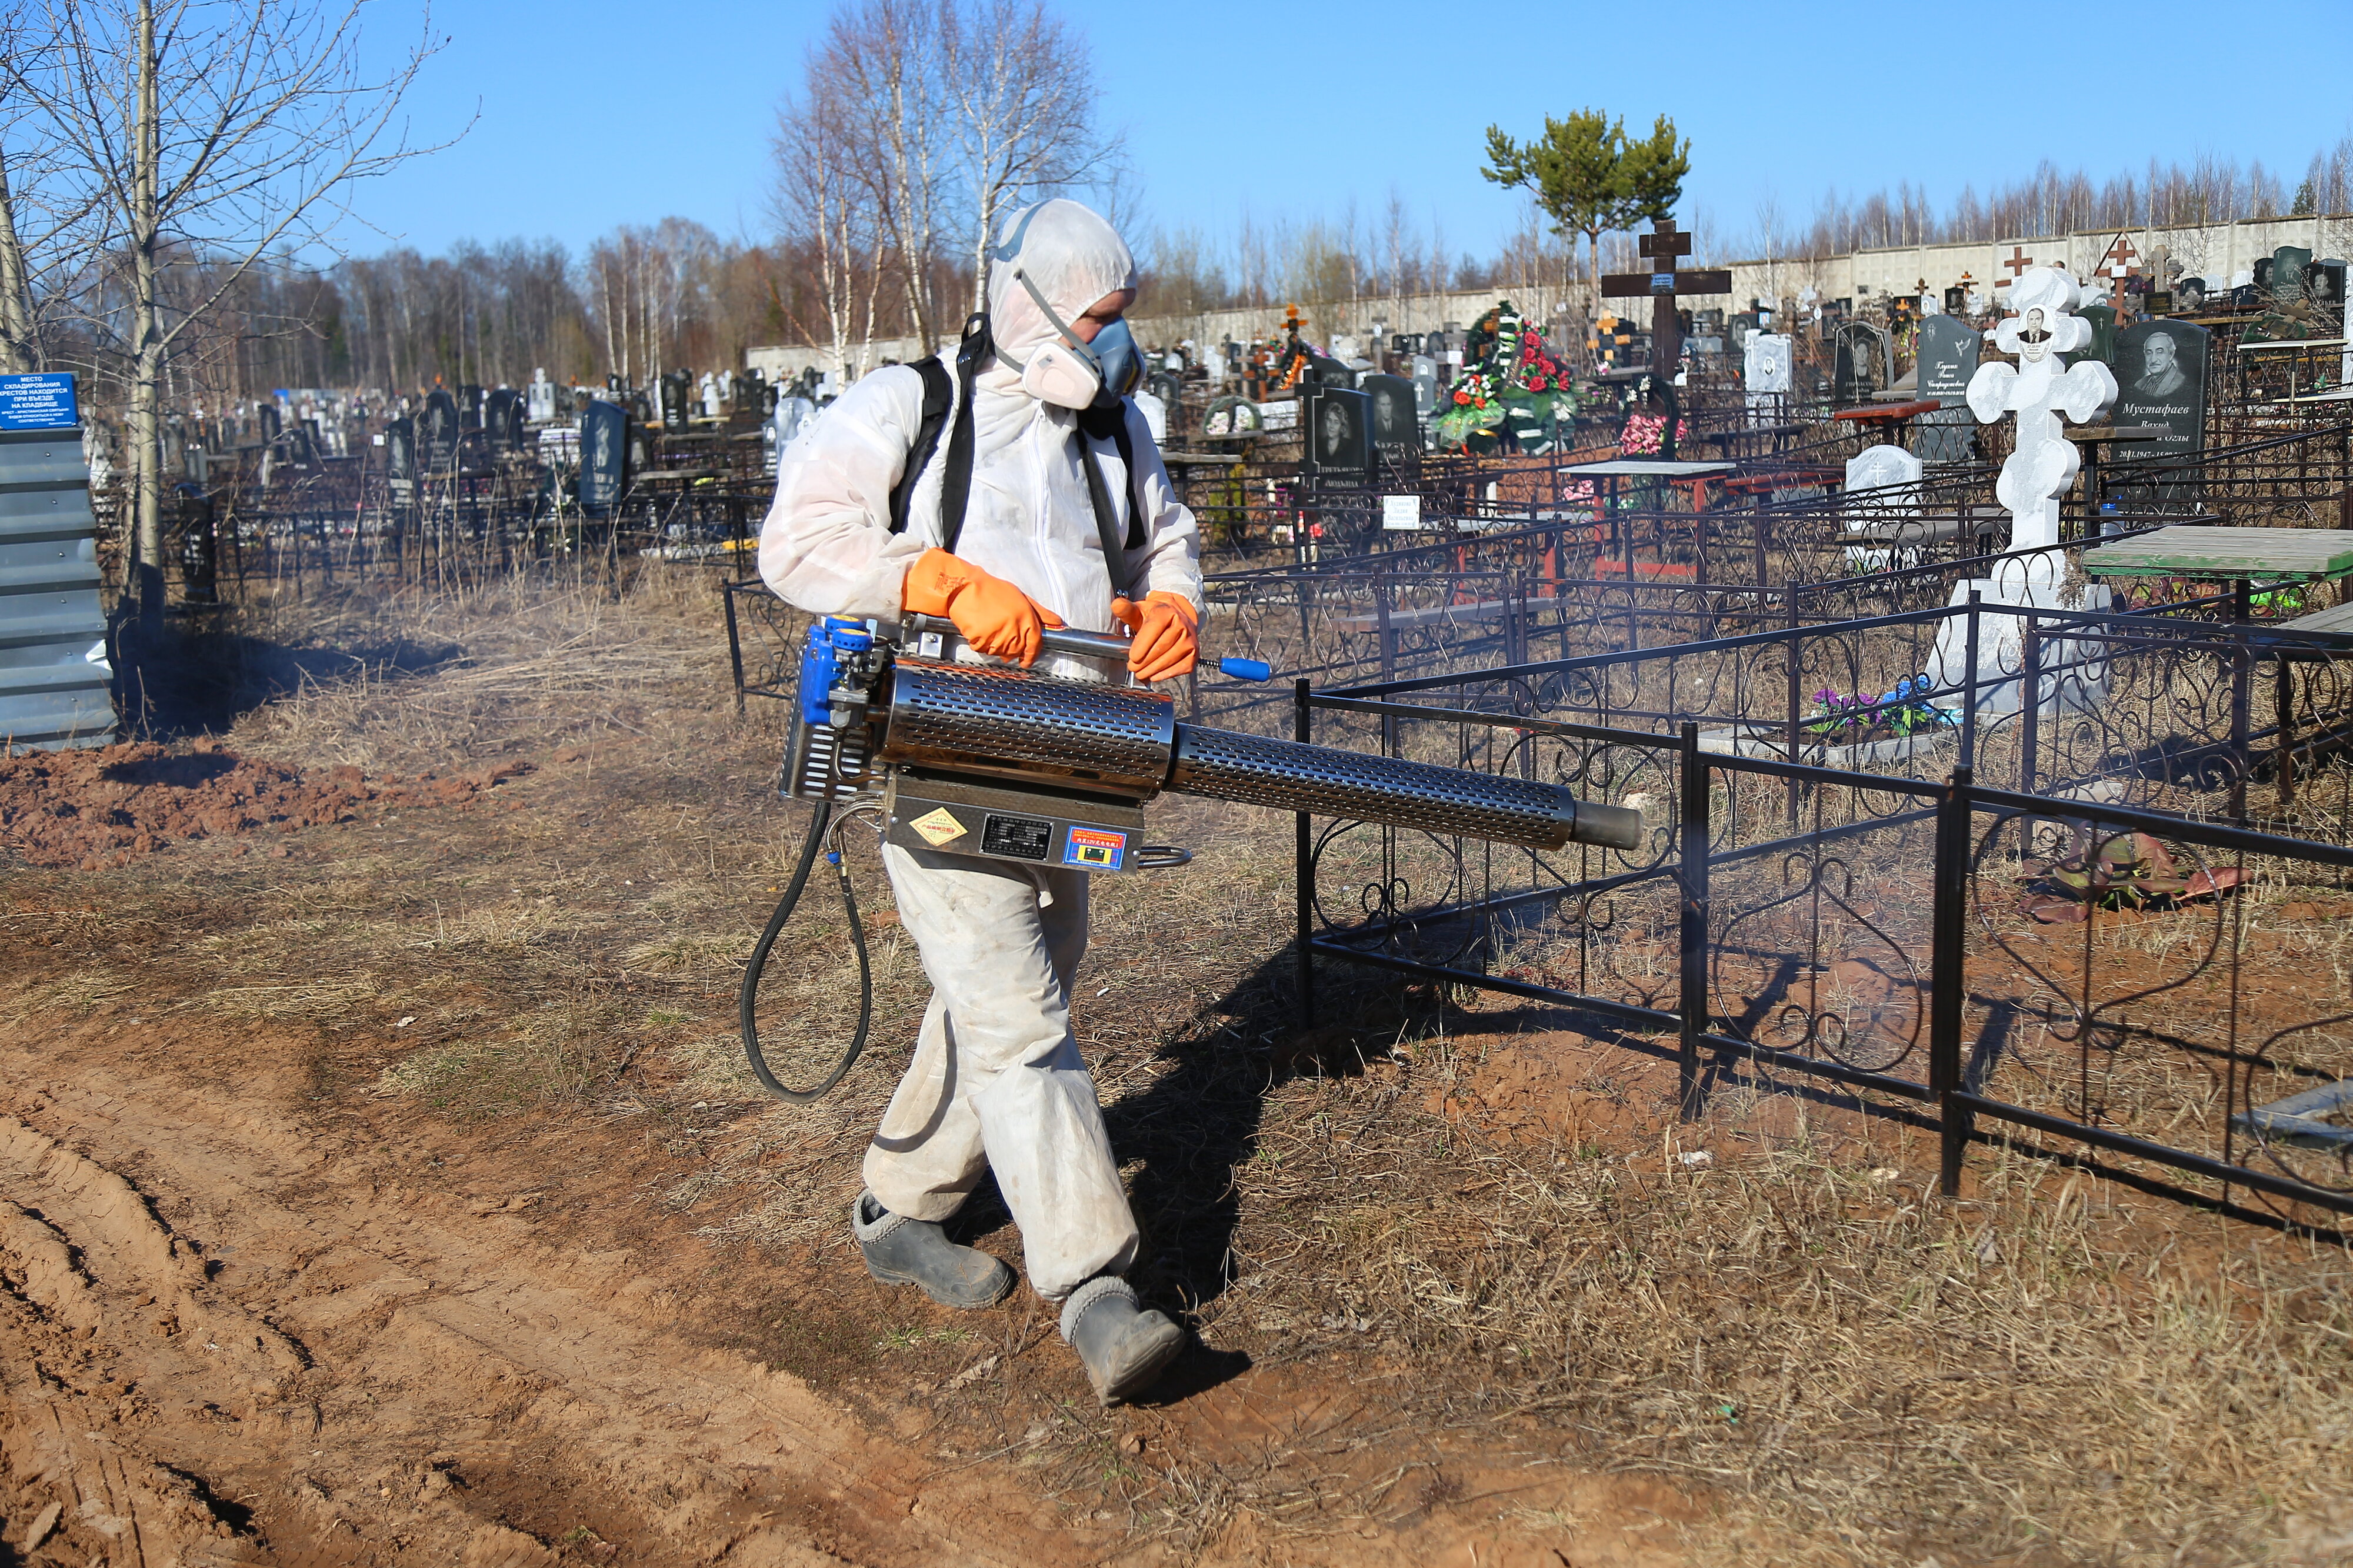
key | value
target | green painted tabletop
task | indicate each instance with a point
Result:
(2189, 550)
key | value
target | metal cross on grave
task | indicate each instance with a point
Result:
(2122, 260)
(1663, 245)
(2018, 261)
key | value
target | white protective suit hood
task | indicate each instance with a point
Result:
(1073, 257)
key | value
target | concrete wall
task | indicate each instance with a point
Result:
(2221, 252)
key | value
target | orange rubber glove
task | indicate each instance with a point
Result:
(994, 615)
(1162, 634)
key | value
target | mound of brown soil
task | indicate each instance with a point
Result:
(104, 805)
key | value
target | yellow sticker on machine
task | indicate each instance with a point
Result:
(938, 827)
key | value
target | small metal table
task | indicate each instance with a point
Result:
(2239, 556)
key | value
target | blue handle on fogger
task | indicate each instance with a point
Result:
(1246, 668)
(819, 666)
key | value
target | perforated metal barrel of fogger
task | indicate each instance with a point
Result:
(1006, 723)
(983, 719)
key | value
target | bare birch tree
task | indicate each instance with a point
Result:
(881, 62)
(212, 133)
(1022, 89)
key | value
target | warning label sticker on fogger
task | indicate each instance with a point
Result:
(938, 827)
(1094, 846)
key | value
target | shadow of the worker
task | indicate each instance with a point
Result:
(1199, 1121)
(194, 679)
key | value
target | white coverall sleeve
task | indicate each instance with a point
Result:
(827, 546)
(1170, 560)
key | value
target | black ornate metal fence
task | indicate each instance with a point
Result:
(2119, 955)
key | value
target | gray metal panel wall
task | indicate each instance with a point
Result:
(53, 678)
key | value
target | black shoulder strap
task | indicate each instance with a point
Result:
(956, 485)
(938, 392)
(1110, 424)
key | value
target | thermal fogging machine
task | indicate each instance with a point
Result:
(998, 762)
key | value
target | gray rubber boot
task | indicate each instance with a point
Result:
(902, 1251)
(1123, 1347)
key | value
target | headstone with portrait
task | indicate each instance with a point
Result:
(502, 420)
(1337, 448)
(674, 414)
(470, 401)
(1944, 357)
(400, 459)
(2323, 285)
(1393, 424)
(2044, 395)
(604, 456)
(1862, 361)
(2162, 369)
(438, 434)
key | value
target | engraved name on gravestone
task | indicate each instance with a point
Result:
(1946, 355)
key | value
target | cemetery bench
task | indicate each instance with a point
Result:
(1892, 413)
(2243, 556)
(1928, 528)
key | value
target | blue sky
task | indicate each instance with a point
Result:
(596, 113)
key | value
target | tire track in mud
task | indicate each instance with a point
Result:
(303, 1365)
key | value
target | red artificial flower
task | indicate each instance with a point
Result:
(1461, 397)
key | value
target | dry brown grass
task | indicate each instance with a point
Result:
(1845, 1368)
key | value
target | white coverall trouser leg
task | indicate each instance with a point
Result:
(997, 1082)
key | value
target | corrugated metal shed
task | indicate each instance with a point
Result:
(54, 677)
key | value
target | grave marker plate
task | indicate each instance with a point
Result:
(603, 456)
(1944, 357)
(2161, 375)
(1394, 427)
(438, 438)
(1338, 446)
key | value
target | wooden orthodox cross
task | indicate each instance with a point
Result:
(1661, 284)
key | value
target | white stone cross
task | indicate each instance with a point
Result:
(2042, 464)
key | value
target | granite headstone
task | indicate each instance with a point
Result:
(437, 437)
(604, 456)
(1944, 357)
(1393, 426)
(2161, 374)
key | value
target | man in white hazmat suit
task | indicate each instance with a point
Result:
(1005, 531)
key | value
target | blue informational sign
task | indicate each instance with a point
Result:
(38, 402)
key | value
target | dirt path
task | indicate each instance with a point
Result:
(238, 1341)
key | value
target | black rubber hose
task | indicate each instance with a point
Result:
(752, 971)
